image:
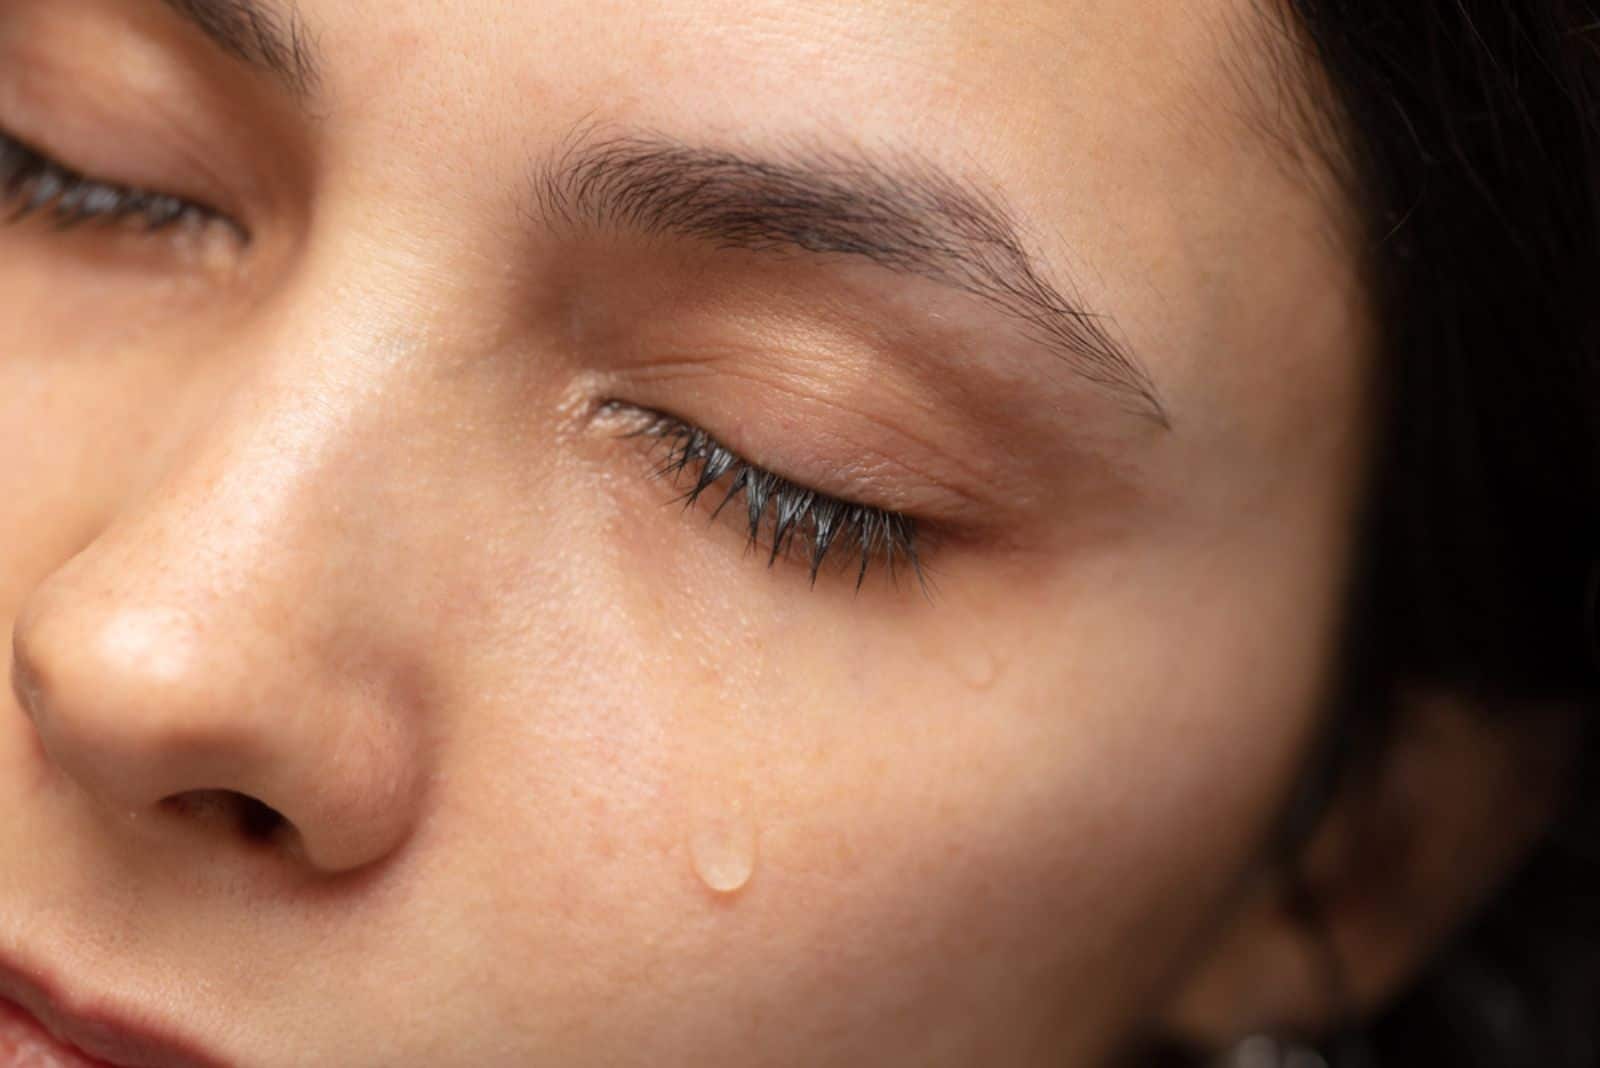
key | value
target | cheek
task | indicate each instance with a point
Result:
(1051, 837)
(1028, 793)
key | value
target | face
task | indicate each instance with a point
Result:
(389, 688)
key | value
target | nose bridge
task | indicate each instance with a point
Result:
(225, 632)
(259, 519)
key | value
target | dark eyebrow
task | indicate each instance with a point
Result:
(266, 36)
(906, 215)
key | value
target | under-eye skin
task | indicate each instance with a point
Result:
(790, 520)
(33, 184)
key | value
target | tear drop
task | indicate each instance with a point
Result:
(976, 664)
(722, 849)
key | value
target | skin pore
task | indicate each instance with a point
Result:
(324, 498)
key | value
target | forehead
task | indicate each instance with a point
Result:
(1142, 153)
(1045, 93)
(1134, 143)
(932, 55)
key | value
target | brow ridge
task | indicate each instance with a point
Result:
(902, 213)
(263, 34)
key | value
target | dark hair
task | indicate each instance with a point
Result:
(1469, 134)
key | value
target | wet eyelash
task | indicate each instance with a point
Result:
(34, 184)
(796, 519)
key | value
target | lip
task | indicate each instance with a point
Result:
(96, 1033)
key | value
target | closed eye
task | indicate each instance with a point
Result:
(33, 184)
(789, 519)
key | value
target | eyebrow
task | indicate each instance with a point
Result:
(906, 215)
(262, 33)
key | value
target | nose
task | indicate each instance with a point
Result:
(210, 646)
(144, 706)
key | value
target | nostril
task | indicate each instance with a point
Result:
(259, 822)
(253, 819)
(24, 684)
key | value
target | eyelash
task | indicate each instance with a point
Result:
(789, 512)
(35, 184)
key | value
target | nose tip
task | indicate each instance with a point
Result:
(145, 707)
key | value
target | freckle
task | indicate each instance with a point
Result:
(722, 848)
(844, 854)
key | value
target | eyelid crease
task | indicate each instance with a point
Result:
(795, 514)
(962, 505)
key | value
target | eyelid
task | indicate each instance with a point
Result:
(45, 186)
(126, 135)
(875, 434)
(789, 510)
